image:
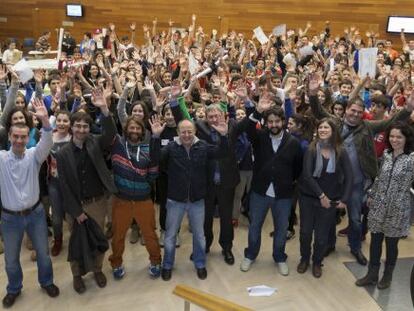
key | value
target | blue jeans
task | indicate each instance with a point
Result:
(13, 228)
(259, 205)
(354, 214)
(175, 214)
(56, 201)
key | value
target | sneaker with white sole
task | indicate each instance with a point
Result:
(283, 268)
(245, 264)
(118, 273)
(154, 271)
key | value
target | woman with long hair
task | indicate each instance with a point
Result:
(61, 136)
(390, 204)
(325, 184)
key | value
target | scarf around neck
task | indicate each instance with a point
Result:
(319, 161)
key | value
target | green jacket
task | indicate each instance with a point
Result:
(363, 135)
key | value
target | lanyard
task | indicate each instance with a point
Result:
(127, 150)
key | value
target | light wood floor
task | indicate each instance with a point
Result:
(334, 291)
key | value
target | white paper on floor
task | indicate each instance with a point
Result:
(261, 290)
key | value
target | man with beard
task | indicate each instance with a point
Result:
(278, 163)
(85, 179)
(135, 167)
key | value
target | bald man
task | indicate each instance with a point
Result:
(186, 160)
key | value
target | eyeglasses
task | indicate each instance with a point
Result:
(81, 126)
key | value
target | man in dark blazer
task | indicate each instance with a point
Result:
(85, 179)
(277, 165)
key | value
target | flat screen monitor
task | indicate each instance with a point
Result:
(74, 10)
(396, 23)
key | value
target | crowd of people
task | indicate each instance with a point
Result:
(208, 125)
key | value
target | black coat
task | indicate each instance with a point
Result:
(67, 172)
(86, 242)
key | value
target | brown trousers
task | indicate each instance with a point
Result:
(96, 210)
(123, 211)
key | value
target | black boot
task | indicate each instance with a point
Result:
(371, 278)
(386, 278)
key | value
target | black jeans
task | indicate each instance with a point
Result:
(375, 249)
(293, 217)
(314, 218)
(224, 198)
(161, 195)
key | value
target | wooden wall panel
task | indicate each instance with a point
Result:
(28, 18)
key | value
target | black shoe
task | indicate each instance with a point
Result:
(328, 251)
(202, 273)
(317, 271)
(52, 290)
(191, 257)
(228, 256)
(359, 256)
(79, 285)
(9, 299)
(166, 274)
(100, 279)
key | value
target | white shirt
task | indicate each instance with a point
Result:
(19, 176)
(276, 140)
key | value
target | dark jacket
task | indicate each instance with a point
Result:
(229, 171)
(282, 168)
(338, 185)
(67, 172)
(187, 172)
(363, 135)
(86, 242)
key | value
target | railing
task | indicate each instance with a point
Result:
(204, 300)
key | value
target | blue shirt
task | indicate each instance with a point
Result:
(19, 175)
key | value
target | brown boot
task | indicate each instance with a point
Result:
(57, 246)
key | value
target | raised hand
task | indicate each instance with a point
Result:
(107, 92)
(98, 100)
(193, 17)
(161, 98)
(148, 84)
(222, 127)
(40, 111)
(145, 28)
(170, 22)
(115, 68)
(132, 26)
(15, 76)
(265, 102)
(154, 22)
(313, 84)
(157, 126)
(241, 92)
(112, 26)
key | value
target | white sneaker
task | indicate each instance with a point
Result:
(162, 236)
(283, 268)
(245, 264)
